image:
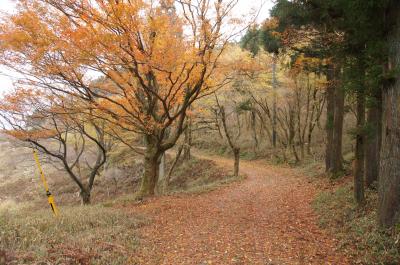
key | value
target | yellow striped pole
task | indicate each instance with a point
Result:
(50, 197)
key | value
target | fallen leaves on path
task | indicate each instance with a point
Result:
(265, 219)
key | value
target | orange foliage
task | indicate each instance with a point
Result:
(154, 57)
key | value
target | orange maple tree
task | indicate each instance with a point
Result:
(138, 64)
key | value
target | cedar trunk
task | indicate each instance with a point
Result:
(360, 150)
(373, 142)
(389, 178)
(330, 112)
(274, 107)
(337, 158)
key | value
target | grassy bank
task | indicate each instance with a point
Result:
(81, 235)
(356, 228)
(103, 233)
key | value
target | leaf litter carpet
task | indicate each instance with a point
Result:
(265, 219)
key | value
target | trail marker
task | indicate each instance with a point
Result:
(50, 197)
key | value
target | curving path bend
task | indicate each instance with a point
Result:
(265, 219)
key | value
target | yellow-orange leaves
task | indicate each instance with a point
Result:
(141, 62)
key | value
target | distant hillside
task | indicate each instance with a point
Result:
(20, 181)
(17, 171)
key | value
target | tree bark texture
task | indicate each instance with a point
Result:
(389, 179)
(360, 150)
(373, 141)
(330, 115)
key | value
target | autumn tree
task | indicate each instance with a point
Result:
(268, 37)
(231, 111)
(308, 88)
(155, 58)
(231, 133)
(67, 134)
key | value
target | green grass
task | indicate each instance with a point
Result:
(356, 228)
(81, 235)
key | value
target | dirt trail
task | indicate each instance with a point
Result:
(265, 219)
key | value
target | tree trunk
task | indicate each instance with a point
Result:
(161, 170)
(292, 134)
(389, 178)
(254, 130)
(151, 167)
(236, 152)
(168, 177)
(309, 137)
(337, 158)
(330, 115)
(188, 141)
(373, 142)
(360, 150)
(161, 174)
(274, 111)
(85, 196)
(295, 154)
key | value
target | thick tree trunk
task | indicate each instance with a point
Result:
(389, 171)
(389, 178)
(337, 158)
(360, 150)
(151, 167)
(236, 152)
(150, 176)
(373, 142)
(330, 115)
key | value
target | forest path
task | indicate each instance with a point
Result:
(265, 219)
